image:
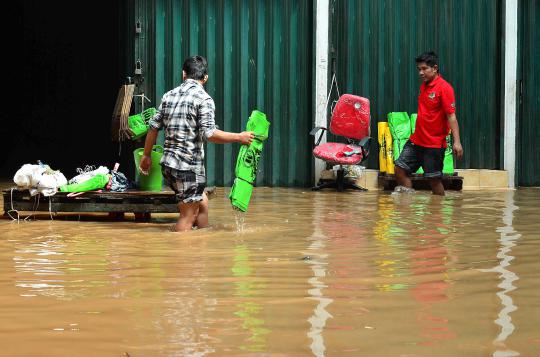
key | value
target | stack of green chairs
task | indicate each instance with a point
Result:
(413, 127)
(448, 163)
(400, 128)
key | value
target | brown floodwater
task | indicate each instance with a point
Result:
(302, 273)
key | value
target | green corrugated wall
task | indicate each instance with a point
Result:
(529, 105)
(375, 45)
(259, 55)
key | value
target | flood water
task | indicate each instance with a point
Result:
(302, 273)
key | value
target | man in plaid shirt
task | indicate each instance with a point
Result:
(187, 115)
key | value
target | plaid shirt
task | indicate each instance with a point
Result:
(187, 114)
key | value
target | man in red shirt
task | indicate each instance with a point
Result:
(436, 116)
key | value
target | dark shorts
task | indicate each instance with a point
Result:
(414, 156)
(188, 186)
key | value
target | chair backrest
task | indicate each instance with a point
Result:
(350, 117)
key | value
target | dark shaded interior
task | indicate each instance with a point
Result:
(63, 72)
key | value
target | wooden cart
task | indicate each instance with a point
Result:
(141, 203)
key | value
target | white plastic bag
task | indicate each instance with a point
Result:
(39, 179)
(87, 173)
(354, 171)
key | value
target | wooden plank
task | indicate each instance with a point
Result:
(94, 207)
(126, 132)
(121, 112)
(115, 124)
(107, 194)
(128, 201)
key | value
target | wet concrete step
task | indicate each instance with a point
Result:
(450, 182)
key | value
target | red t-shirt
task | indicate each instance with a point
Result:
(435, 102)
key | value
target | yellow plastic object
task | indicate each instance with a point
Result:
(381, 128)
(389, 151)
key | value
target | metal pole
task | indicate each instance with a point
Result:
(510, 87)
(321, 73)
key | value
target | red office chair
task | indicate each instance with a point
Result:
(350, 119)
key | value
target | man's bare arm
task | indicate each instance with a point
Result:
(454, 126)
(224, 137)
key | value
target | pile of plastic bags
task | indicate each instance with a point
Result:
(42, 179)
(39, 178)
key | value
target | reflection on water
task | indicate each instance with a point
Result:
(431, 257)
(249, 310)
(308, 273)
(46, 264)
(413, 242)
(508, 238)
(315, 256)
(388, 233)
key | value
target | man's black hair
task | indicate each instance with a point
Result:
(195, 67)
(430, 58)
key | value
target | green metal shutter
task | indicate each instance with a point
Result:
(376, 43)
(529, 123)
(260, 56)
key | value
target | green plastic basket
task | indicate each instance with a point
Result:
(153, 181)
(138, 123)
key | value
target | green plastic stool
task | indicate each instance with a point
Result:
(248, 161)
